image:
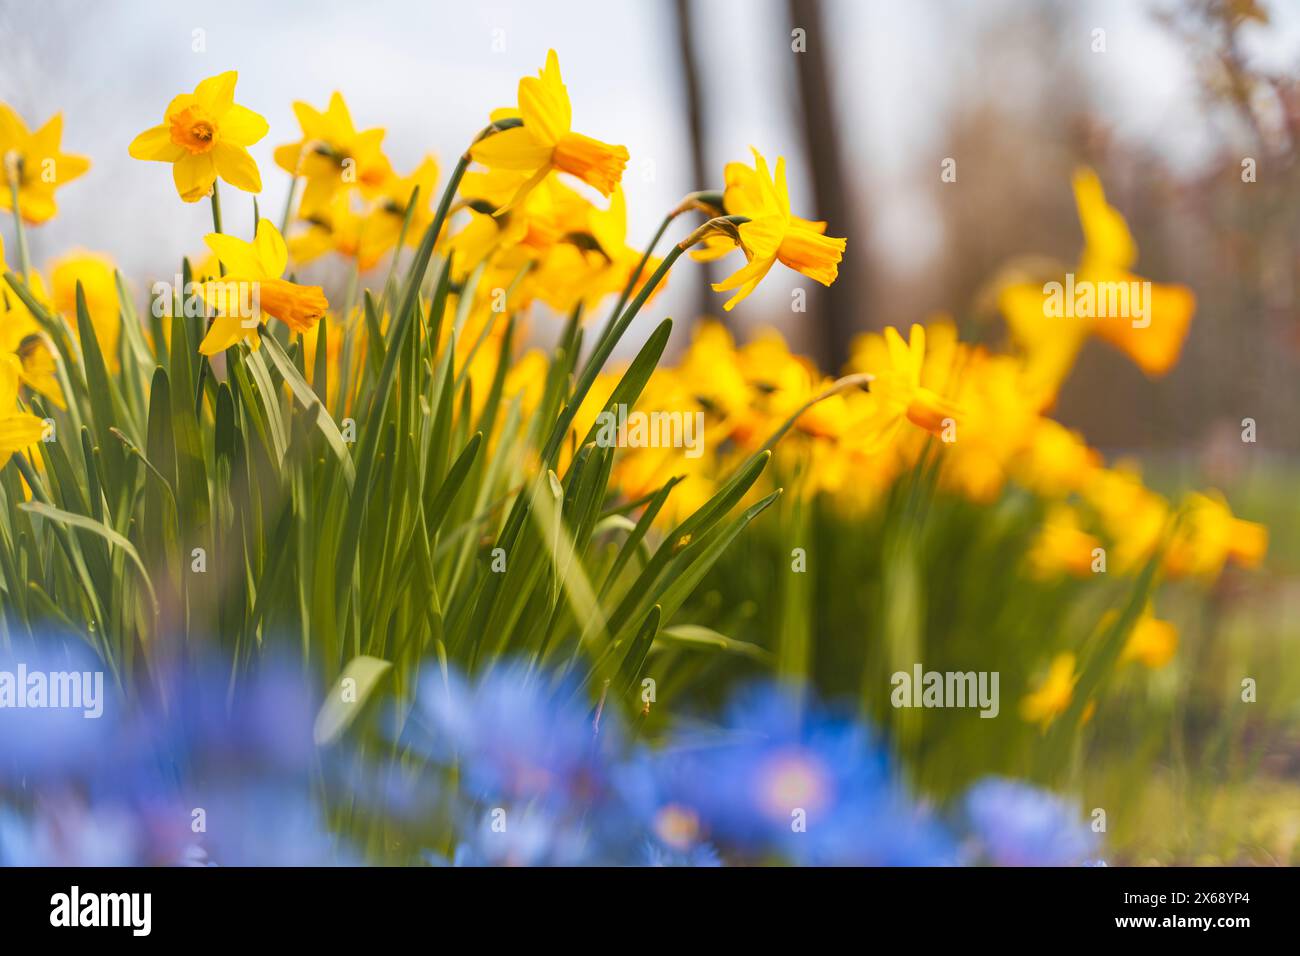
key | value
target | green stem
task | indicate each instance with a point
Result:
(699, 201)
(288, 205)
(216, 221)
(640, 266)
(24, 257)
(216, 208)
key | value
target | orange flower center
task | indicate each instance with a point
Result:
(193, 129)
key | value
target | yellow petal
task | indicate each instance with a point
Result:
(226, 330)
(11, 371)
(194, 176)
(239, 257)
(287, 157)
(1105, 233)
(237, 167)
(12, 127)
(216, 94)
(544, 103)
(762, 236)
(339, 119)
(271, 250)
(179, 103)
(746, 280)
(313, 122)
(242, 127)
(1154, 346)
(514, 148)
(46, 139)
(156, 144)
(68, 167)
(18, 430)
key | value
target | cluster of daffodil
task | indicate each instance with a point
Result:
(980, 417)
(534, 213)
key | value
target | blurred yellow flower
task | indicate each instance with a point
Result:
(205, 134)
(1000, 414)
(546, 139)
(332, 155)
(34, 165)
(18, 429)
(22, 336)
(255, 268)
(395, 196)
(1209, 535)
(1149, 329)
(1062, 546)
(1133, 516)
(593, 260)
(1056, 461)
(339, 228)
(96, 274)
(1152, 641)
(899, 386)
(772, 233)
(1054, 694)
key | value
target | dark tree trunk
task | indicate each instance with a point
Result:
(702, 176)
(836, 312)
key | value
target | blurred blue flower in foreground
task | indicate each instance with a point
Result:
(809, 787)
(519, 768)
(1016, 824)
(39, 741)
(517, 736)
(196, 769)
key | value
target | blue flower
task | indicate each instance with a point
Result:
(263, 824)
(1016, 824)
(517, 738)
(809, 788)
(132, 786)
(527, 836)
(51, 743)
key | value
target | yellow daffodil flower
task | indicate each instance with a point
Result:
(1056, 461)
(34, 163)
(1133, 516)
(332, 155)
(1152, 641)
(254, 270)
(1062, 546)
(1149, 329)
(96, 274)
(1053, 695)
(772, 233)
(339, 228)
(395, 196)
(18, 429)
(546, 139)
(22, 336)
(1209, 536)
(899, 387)
(206, 134)
(593, 260)
(534, 226)
(1000, 414)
